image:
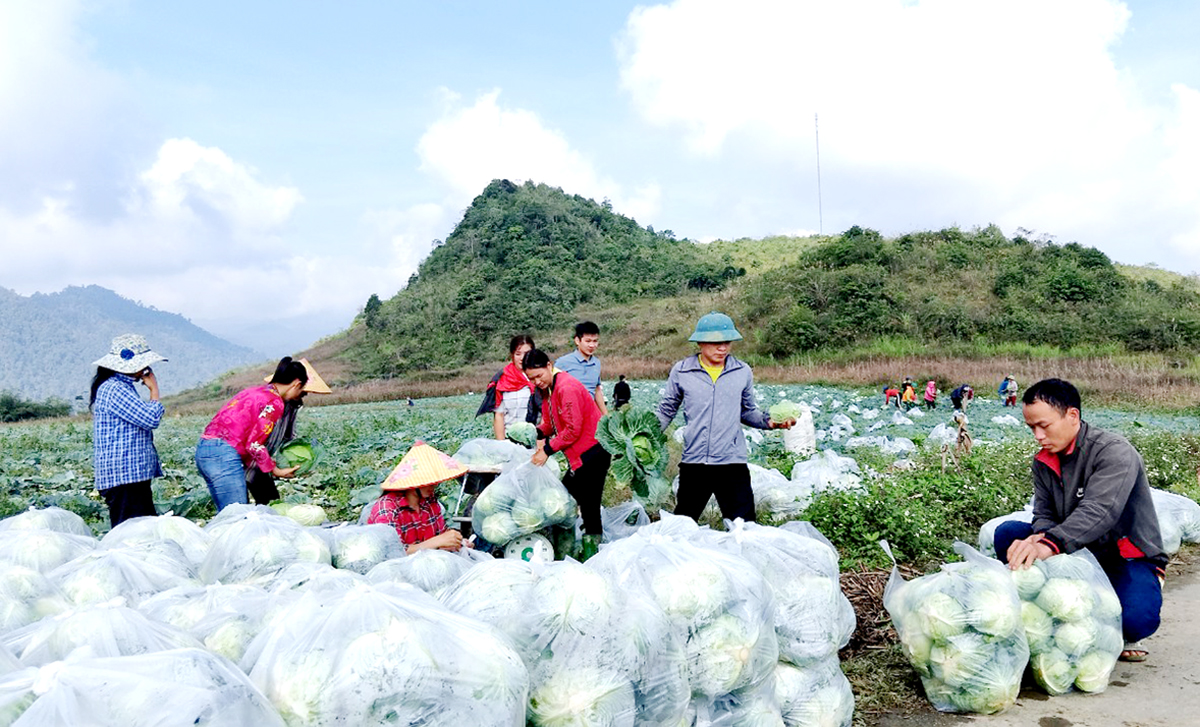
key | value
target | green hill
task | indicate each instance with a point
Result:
(531, 258)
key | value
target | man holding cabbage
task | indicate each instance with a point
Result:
(716, 391)
(1090, 491)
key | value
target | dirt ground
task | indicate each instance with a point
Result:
(1163, 691)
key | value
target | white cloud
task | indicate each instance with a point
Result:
(472, 145)
(931, 111)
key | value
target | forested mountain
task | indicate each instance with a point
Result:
(49, 341)
(531, 258)
(523, 258)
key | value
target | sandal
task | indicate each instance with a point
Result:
(1133, 655)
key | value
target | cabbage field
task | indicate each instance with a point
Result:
(273, 616)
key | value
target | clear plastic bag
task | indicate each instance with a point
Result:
(47, 518)
(179, 688)
(43, 550)
(623, 520)
(256, 546)
(368, 656)
(1072, 620)
(818, 694)
(494, 592)
(8, 664)
(1179, 515)
(813, 618)
(430, 570)
(362, 547)
(140, 532)
(27, 596)
(108, 573)
(961, 630)
(826, 470)
(987, 532)
(718, 603)
(521, 501)
(223, 618)
(107, 629)
(491, 453)
(775, 496)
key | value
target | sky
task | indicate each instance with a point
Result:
(263, 168)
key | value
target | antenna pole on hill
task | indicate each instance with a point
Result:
(820, 212)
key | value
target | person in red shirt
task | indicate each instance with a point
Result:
(410, 505)
(569, 419)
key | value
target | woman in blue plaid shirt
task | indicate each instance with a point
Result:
(124, 459)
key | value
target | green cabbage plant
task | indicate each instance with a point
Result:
(638, 448)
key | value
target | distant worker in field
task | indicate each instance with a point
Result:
(1090, 491)
(237, 435)
(716, 391)
(569, 419)
(931, 394)
(1008, 391)
(262, 484)
(891, 396)
(124, 459)
(621, 393)
(582, 362)
(510, 396)
(908, 395)
(410, 504)
(962, 396)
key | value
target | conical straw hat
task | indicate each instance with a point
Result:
(422, 465)
(315, 385)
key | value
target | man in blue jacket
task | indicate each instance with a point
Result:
(1090, 491)
(716, 392)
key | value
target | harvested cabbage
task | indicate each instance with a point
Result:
(362, 547)
(523, 433)
(784, 410)
(522, 500)
(302, 453)
(638, 447)
(961, 629)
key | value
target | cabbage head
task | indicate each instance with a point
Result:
(1075, 638)
(721, 656)
(523, 433)
(1066, 599)
(785, 410)
(1053, 671)
(1094, 670)
(987, 698)
(500, 528)
(301, 453)
(958, 660)
(580, 696)
(940, 616)
(1039, 627)
(1029, 581)
(991, 614)
(637, 445)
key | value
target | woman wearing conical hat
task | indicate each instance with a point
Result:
(410, 505)
(262, 484)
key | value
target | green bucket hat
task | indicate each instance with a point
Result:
(715, 328)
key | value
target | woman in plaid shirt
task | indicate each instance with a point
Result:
(124, 459)
(409, 504)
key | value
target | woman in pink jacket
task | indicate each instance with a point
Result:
(236, 436)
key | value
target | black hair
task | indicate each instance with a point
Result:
(1059, 394)
(535, 359)
(288, 371)
(102, 375)
(622, 377)
(519, 340)
(586, 328)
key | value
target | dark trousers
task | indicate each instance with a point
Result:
(261, 485)
(129, 501)
(586, 485)
(729, 482)
(1134, 579)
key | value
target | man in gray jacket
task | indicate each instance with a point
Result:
(716, 392)
(1090, 491)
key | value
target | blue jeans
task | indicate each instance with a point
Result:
(221, 467)
(1134, 579)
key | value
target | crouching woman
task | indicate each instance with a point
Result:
(409, 502)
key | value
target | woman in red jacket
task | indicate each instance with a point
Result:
(569, 419)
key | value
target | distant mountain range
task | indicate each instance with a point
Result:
(49, 341)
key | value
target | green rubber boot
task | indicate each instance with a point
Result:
(591, 546)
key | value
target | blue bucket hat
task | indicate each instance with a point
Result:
(715, 328)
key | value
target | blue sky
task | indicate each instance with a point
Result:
(263, 168)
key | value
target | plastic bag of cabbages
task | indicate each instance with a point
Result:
(1072, 619)
(176, 688)
(521, 501)
(385, 655)
(961, 630)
